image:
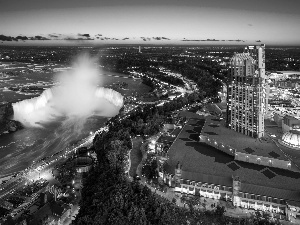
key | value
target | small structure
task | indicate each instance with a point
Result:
(291, 129)
(83, 164)
(291, 139)
(278, 118)
(178, 172)
(290, 122)
(49, 213)
(236, 188)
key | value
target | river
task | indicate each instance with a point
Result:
(18, 150)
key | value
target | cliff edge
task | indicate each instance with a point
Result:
(6, 124)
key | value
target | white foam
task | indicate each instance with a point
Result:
(76, 95)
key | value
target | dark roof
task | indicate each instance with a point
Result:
(41, 214)
(165, 139)
(271, 192)
(222, 105)
(216, 129)
(206, 178)
(203, 159)
(290, 117)
(48, 209)
(50, 196)
(293, 203)
(57, 209)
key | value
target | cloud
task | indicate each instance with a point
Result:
(106, 38)
(78, 39)
(258, 41)
(125, 38)
(250, 25)
(54, 35)
(6, 38)
(39, 38)
(147, 38)
(156, 38)
(184, 39)
(238, 40)
(84, 35)
(190, 40)
(22, 38)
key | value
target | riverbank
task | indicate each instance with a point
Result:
(7, 125)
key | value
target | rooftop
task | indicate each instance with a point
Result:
(242, 56)
(215, 128)
(207, 164)
(165, 139)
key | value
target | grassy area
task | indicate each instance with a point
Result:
(135, 155)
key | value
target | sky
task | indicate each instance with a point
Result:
(92, 22)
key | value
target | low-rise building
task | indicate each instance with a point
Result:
(241, 147)
(290, 123)
(204, 169)
(279, 203)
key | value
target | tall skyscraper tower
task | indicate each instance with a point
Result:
(246, 94)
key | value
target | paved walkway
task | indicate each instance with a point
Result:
(135, 156)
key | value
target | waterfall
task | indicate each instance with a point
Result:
(52, 103)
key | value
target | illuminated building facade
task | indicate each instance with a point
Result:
(249, 196)
(246, 95)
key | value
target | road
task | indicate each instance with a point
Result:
(38, 170)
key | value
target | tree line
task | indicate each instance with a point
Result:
(109, 197)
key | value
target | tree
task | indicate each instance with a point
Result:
(174, 201)
(220, 210)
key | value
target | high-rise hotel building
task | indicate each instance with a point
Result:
(246, 94)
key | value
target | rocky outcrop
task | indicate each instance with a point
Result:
(6, 111)
(6, 124)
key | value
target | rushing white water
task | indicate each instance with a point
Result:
(51, 104)
(76, 96)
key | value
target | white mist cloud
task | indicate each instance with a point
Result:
(76, 93)
(77, 96)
